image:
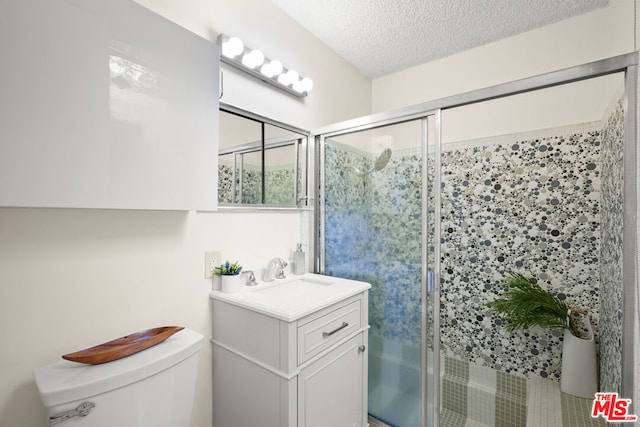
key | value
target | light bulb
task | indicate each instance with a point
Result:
(257, 57)
(307, 84)
(247, 60)
(292, 76)
(298, 86)
(232, 47)
(276, 66)
(267, 70)
(283, 79)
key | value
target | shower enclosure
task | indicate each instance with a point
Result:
(373, 232)
(432, 210)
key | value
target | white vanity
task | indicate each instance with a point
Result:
(291, 352)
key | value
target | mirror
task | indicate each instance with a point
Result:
(261, 162)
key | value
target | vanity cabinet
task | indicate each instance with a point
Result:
(330, 389)
(275, 371)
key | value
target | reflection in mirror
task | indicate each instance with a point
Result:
(260, 162)
(249, 188)
(226, 178)
(281, 152)
(240, 159)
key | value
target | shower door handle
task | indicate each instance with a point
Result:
(433, 280)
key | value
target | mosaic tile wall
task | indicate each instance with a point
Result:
(225, 183)
(373, 233)
(531, 205)
(611, 252)
(278, 185)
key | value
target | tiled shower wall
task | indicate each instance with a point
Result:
(530, 204)
(373, 228)
(278, 184)
(611, 252)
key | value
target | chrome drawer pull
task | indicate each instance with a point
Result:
(339, 328)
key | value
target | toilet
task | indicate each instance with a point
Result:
(152, 388)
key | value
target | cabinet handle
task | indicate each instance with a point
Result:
(339, 328)
(361, 349)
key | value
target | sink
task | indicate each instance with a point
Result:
(295, 289)
(294, 297)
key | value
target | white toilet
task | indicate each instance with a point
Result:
(153, 388)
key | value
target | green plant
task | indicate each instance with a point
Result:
(527, 304)
(228, 269)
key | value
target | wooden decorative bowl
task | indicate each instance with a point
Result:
(123, 347)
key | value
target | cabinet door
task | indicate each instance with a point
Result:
(105, 104)
(331, 389)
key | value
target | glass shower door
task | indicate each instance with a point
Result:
(373, 220)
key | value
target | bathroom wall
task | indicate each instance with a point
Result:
(278, 184)
(528, 202)
(373, 233)
(75, 278)
(611, 252)
(72, 278)
(260, 24)
(603, 33)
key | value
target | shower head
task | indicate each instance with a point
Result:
(380, 162)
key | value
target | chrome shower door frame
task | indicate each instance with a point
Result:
(423, 116)
(627, 64)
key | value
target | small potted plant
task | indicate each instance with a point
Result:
(229, 276)
(527, 304)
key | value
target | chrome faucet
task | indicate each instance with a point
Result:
(251, 279)
(275, 270)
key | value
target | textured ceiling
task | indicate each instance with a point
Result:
(384, 36)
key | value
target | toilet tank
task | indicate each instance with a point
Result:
(153, 388)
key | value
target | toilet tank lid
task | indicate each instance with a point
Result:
(64, 381)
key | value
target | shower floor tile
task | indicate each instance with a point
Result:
(397, 407)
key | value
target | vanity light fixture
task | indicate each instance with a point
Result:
(253, 61)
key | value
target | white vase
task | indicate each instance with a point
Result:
(215, 282)
(579, 370)
(231, 283)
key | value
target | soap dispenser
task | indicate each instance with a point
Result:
(298, 260)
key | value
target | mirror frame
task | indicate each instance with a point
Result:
(301, 160)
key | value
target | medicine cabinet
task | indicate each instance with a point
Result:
(261, 162)
(105, 104)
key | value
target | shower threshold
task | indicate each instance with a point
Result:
(374, 422)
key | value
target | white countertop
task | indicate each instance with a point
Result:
(289, 301)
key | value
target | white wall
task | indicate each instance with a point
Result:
(597, 35)
(339, 90)
(75, 278)
(72, 278)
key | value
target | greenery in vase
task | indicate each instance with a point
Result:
(228, 269)
(526, 304)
